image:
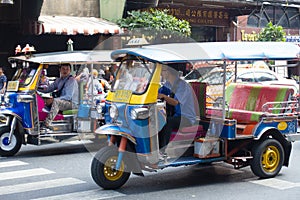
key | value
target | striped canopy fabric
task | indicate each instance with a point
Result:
(69, 25)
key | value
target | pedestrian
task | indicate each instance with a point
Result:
(3, 81)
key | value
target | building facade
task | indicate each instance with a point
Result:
(48, 24)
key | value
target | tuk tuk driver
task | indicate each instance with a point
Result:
(180, 106)
(67, 93)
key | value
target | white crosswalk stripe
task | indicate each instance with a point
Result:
(24, 173)
(76, 142)
(276, 183)
(34, 186)
(12, 164)
(29, 186)
(86, 195)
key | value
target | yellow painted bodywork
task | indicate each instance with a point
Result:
(34, 81)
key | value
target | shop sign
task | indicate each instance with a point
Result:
(249, 37)
(200, 16)
(293, 38)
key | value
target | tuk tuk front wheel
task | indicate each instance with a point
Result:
(268, 158)
(103, 168)
(12, 146)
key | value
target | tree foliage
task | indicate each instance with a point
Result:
(156, 23)
(272, 33)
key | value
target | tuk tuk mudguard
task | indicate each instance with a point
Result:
(18, 123)
(275, 133)
(118, 132)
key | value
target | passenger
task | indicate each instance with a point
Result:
(44, 80)
(93, 85)
(108, 75)
(180, 106)
(83, 76)
(104, 82)
(67, 86)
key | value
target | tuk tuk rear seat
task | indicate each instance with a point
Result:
(246, 101)
(192, 132)
(42, 114)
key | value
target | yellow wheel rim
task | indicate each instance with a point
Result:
(270, 159)
(109, 169)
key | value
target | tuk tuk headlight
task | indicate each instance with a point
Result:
(139, 113)
(113, 112)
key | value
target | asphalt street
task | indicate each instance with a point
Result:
(62, 171)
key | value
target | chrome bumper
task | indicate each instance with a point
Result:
(293, 137)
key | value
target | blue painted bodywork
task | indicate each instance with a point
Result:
(21, 109)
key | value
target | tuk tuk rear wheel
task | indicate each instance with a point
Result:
(268, 158)
(9, 148)
(103, 168)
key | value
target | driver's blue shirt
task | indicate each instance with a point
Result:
(184, 95)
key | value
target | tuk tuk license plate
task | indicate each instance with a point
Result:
(122, 96)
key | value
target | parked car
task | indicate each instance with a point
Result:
(199, 72)
(267, 77)
(252, 75)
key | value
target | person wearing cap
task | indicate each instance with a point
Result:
(67, 86)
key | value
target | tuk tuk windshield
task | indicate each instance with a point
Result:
(133, 76)
(25, 75)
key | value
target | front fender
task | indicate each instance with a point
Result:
(111, 129)
(6, 117)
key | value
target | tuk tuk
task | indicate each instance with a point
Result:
(253, 124)
(23, 108)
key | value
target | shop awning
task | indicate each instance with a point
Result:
(68, 25)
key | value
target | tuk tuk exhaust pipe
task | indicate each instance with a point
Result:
(12, 128)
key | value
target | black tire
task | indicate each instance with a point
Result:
(15, 144)
(103, 172)
(268, 158)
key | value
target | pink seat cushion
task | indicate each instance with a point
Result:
(188, 133)
(42, 114)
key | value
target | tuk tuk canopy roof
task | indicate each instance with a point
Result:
(232, 51)
(72, 57)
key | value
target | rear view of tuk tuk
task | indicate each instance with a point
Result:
(24, 110)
